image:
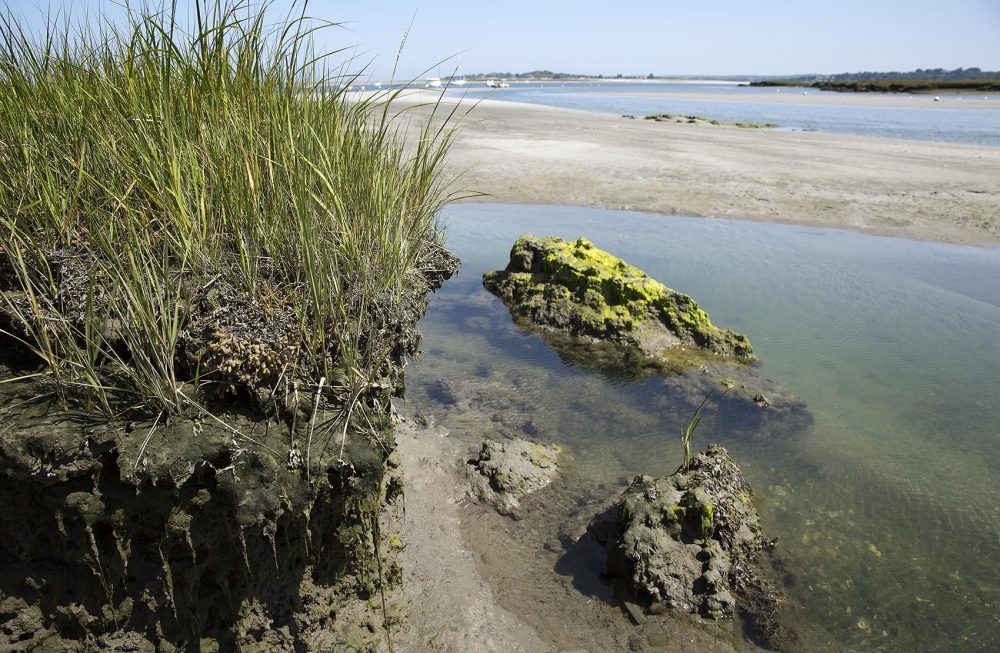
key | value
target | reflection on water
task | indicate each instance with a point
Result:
(886, 506)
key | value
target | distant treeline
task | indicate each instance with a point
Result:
(920, 80)
(534, 74)
(920, 74)
(916, 86)
(893, 86)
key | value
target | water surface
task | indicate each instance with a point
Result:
(926, 120)
(887, 508)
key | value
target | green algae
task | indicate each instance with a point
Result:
(699, 513)
(542, 456)
(574, 286)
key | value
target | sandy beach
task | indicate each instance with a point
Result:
(521, 153)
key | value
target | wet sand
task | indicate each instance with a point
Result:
(521, 153)
(450, 605)
(476, 581)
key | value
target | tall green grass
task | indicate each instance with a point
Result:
(143, 164)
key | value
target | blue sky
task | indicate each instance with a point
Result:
(662, 37)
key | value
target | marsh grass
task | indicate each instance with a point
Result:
(144, 166)
(692, 425)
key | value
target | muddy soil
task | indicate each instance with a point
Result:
(189, 535)
(450, 603)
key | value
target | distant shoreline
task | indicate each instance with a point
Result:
(613, 80)
(695, 90)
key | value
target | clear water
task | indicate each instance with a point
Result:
(926, 120)
(888, 507)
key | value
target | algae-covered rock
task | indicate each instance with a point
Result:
(504, 472)
(576, 288)
(600, 313)
(689, 542)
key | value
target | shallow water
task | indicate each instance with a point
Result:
(887, 507)
(926, 120)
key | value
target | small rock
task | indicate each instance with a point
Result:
(504, 472)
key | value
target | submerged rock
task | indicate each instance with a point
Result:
(504, 472)
(689, 541)
(576, 288)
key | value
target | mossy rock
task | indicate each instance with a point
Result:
(576, 288)
(599, 313)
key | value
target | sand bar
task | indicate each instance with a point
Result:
(520, 153)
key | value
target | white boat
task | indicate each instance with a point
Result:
(433, 82)
(492, 83)
(457, 79)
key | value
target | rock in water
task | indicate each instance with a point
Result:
(505, 472)
(576, 288)
(689, 541)
(600, 313)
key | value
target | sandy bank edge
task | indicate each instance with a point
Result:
(528, 154)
